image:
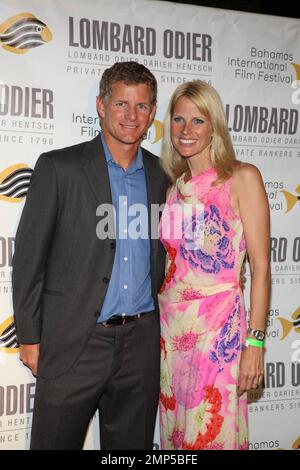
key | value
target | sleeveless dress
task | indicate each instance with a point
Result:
(203, 321)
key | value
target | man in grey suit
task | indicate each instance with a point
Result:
(85, 305)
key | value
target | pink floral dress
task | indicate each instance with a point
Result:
(203, 322)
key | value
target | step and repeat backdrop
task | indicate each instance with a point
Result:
(52, 56)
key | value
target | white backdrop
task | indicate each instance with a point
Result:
(48, 85)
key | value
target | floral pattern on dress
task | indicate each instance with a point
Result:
(217, 251)
(172, 267)
(203, 321)
(227, 345)
(207, 419)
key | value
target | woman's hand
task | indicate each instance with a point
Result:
(251, 369)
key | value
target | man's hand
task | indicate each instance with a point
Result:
(29, 355)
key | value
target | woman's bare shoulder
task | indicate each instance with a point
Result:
(245, 173)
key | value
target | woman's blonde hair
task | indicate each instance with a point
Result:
(209, 103)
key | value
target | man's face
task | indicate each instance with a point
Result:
(126, 114)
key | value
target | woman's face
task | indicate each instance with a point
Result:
(191, 131)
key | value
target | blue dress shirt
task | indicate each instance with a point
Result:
(129, 289)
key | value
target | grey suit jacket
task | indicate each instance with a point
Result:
(61, 269)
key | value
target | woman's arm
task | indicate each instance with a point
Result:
(253, 208)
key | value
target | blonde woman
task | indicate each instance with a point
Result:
(215, 211)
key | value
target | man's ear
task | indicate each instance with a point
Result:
(153, 112)
(100, 107)
(152, 115)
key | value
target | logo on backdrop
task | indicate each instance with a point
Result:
(155, 132)
(26, 114)
(275, 190)
(296, 84)
(291, 199)
(296, 444)
(22, 32)
(297, 70)
(90, 127)
(14, 182)
(262, 120)
(94, 45)
(289, 325)
(8, 336)
(285, 259)
(263, 65)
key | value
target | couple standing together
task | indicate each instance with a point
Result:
(87, 309)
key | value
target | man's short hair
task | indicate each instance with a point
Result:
(130, 73)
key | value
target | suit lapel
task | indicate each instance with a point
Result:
(95, 168)
(96, 171)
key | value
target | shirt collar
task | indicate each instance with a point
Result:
(137, 164)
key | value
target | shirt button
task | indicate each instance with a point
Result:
(125, 258)
(105, 280)
(125, 286)
(113, 245)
